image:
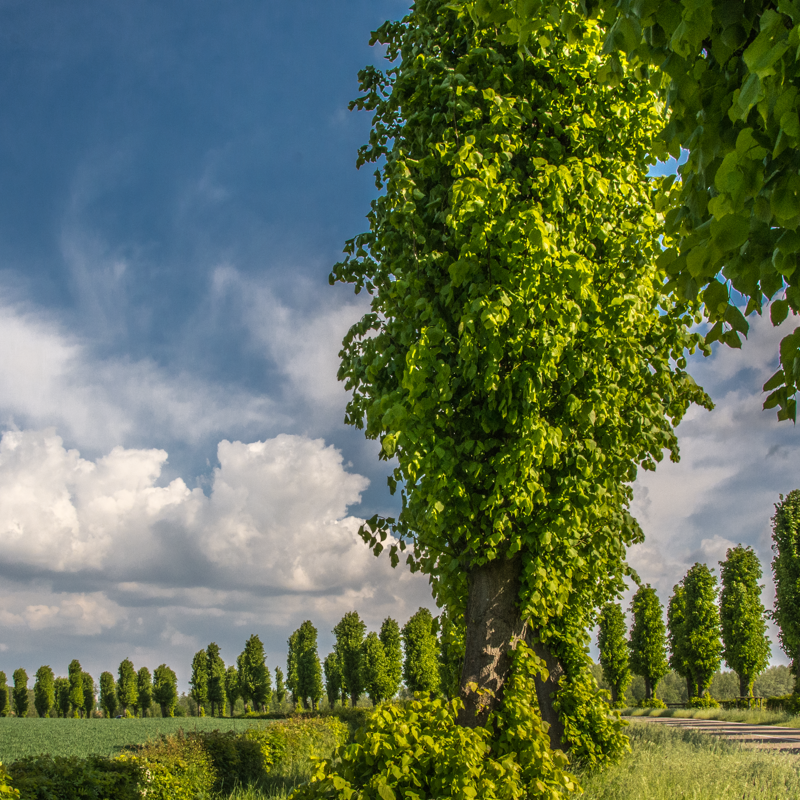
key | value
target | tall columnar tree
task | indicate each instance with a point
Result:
(232, 689)
(451, 655)
(702, 627)
(349, 632)
(332, 670)
(144, 691)
(5, 696)
(745, 645)
(62, 696)
(678, 645)
(75, 672)
(20, 692)
(108, 695)
(374, 667)
(521, 357)
(198, 682)
(127, 695)
(255, 683)
(647, 645)
(786, 571)
(165, 690)
(420, 667)
(89, 694)
(309, 671)
(392, 645)
(280, 686)
(216, 680)
(44, 697)
(614, 651)
(292, 683)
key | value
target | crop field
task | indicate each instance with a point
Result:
(82, 737)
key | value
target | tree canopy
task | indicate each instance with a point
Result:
(786, 570)
(648, 644)
(614, 650)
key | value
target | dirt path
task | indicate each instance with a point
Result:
(757, 736)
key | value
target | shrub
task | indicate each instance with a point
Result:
(705, 701)
(788, 703)
(7, 792)
(237, 758)
(653, 702)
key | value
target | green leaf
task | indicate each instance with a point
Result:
(715, 298)
(778, 311)
(774, 382)
(730, 233)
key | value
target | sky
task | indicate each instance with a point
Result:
(177, 181)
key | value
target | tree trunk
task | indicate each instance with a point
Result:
(353, 700)
(745, 686)
(493, 626)
(689, 688)
(648, 689)
(614, 693)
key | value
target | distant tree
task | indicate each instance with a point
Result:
(309, 671)
(291, 667)
(421, 664)
(216, 680)
(144, 691)
(333, 678)
(374, 668)
(390, 638)
(20, 692)
(61, 686)
(89, 694)
(75, 672)
(349, 632)
(199, 680)
(232, 690)
(127, 694)
(108, 695)
(647, 643)
(5, 696)
(614, 651)
(255, 682)
(702, 627)
(43, 691)
(451, 655)
(165, 690)
(280, 686)
(745, 645)
(678, 645)
(786, 570)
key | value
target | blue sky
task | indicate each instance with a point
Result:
(177, 180)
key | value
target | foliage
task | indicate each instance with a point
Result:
(614, 651)
(216, 680)
(144, 691)
(648, 651)
(678, 643)
(20, 692)
(653, 702)
(704, 700)
(44, 691)
(75, 672)
(451, 654)
(232, 690)
(108, 694)
(788, 702)
(308, 687)
(349, 632)
(255, 683)
(774, 681)
(199, 678)
(391, 640)
(374, 669)
(61, 687)
(127, 695)
(89, 694)
(165, 689)
(786, 571)
(332, 669)
(291, 666)
(745, 645)
(7, 791)
(5, 696)
(280, 687)
(420, 664)
(701, 627)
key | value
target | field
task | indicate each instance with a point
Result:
(755, 716)
(80, 737)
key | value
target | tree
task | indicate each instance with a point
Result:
(745, 645)
(89, 694)
(216, 680)
(292, 681)
(280, 687)
(309, 672)
(144, 691)
(647, 646)
(420, 667)
(255, 683)
(614, 651)
(108, 695)
(20, 692)
(127, 694)
(390, 638)
(61, 686)
(165, 690)
(521, 357)
(232, 690)
(75, 672)
(786, 571)
(349, 632)
(5, 696)
(451, 655)
(702, 627)
(333, 678)
(43, 691)
(199, 680)
(374, 667)
(678, 646)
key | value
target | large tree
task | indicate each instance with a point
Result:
(614, 650)
(280, 686)
(108, 695)
(420, 648)
(292, 681)
(676, 633)
(349, 633)
(44, 697)
(165, 689)
(62, 696)
(216, 680)
(255, 682)
(89, 694)
(144, 691)
(521, 357)
(332, 671)
(233, 690)
(75, 672)
(648, 643)
(702, 627)
(127, 694)
(374, 667)
(198, 682)
(786, 571)
(20, 692)
(451, 654)
(309, 671)
(745, 644)
(5, 696)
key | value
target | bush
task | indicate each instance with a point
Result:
(7, 792)
(653, 702)
(236, 759)
(788, 703)
(706, 701)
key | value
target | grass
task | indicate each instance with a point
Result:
(31, 736)
(754, 716)
(667, 764)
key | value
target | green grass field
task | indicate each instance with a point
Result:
(82, 737)
(755, 716)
